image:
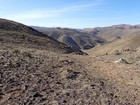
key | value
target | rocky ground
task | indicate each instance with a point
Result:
(39, 77)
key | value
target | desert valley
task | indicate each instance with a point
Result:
(63, 66)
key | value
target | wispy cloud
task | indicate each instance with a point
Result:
(44, 13)
(111, 18)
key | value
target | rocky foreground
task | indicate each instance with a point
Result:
(39, 77)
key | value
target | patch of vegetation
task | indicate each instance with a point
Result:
(16, 51)
(27, 54)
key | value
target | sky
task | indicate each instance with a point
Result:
(71, 13)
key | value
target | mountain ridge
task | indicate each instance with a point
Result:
(111, 32)
(73, 37)
(17, 33)
(90, 37)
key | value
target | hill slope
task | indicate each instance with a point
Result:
(72, 37)
(13, 34)
(114, 32)
(40, 77)
(126, 43)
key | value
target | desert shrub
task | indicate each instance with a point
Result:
(27, 54)
(16, 51)
(117, 52)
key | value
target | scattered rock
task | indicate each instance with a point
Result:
(72, 74)
(123, 61)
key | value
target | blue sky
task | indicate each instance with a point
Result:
(71, 13)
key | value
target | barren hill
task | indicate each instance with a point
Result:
(35, 71)
(13, 34)
(90, 37)
(131, 43)
(72, 37)
(114, 32)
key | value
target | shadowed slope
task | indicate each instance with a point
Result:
(77, 39)
(13, 33)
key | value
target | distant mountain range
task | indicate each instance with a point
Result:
(72, 37)
(90, 37)
(112, 32)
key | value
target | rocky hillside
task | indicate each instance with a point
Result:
(40, 77)
(13, 34)
(72, 37)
